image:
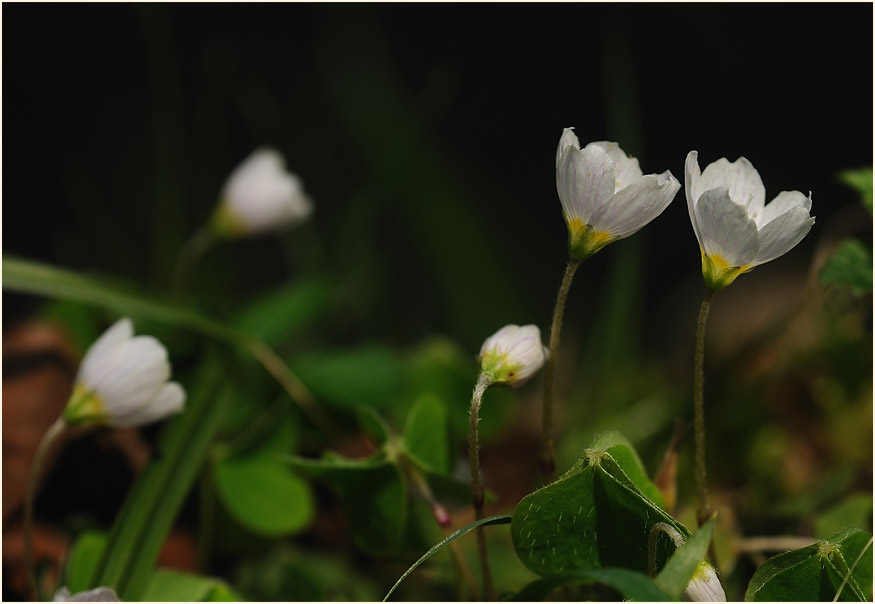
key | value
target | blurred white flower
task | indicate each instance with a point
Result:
(604, 195)
(512, 355)
(704, 586)
(260, 196)
(99, 594)
(122, 381)
(736, 229)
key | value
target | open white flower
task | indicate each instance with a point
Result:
(604, 194)
(512, 354)
(122, 381)
(260, 196)
(736, 229)
(704, 586)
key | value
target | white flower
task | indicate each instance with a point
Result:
(604, 194)
(99, 594)
(736, 229)
(512, 355)
(704, 586)
(122, 381)
(259, 196)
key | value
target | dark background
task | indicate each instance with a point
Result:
(425, 134)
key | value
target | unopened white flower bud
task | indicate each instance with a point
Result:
(260, 195)
(704, 586)
(122, 381)
(99, 594)
(512, 355)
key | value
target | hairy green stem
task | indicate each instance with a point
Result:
(51, 435)
(660, 527)
(478, 497)
(704, 510)
(548, 458)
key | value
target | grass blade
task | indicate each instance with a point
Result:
(503, 519)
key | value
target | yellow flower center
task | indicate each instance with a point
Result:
(717, 272)
(85, 407)
(227, 224)
(584, 241)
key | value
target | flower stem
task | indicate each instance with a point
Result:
(45, 444)
(548, 458)
(478, 497)
(194, 248)
(704, 511)
(660, 527)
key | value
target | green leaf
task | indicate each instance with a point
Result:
(627, 458)
(632, 585)
(82, 559)
(260, 492)
(426, 437)
(839, 566)
(503, 519)
(172, 586)
(372, 494)
(367, 375)
(591, 517)
(682, 565)
(155, 499)
(855, 510)
(41, 279)
(861, 180)
(277, 315)
(849, 266)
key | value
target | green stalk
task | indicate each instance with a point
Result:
(477, 493)
(704, 511)
(548, 458)
(51, 435)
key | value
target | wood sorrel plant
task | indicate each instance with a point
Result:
(605, 197)
(509, 357)
(737, 231)
(121, 382)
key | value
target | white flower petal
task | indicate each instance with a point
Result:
(169, 399)
(634, 206)
(102, 349)
(744, 182)
(626, 169)
(784, 201)
(584, 181)
(692, 189)
(141, 369)
(704, 586)
(725, 228)
(568, 139)
(783, 234)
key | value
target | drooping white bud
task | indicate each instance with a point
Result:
(512, 355)
(704, 586)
